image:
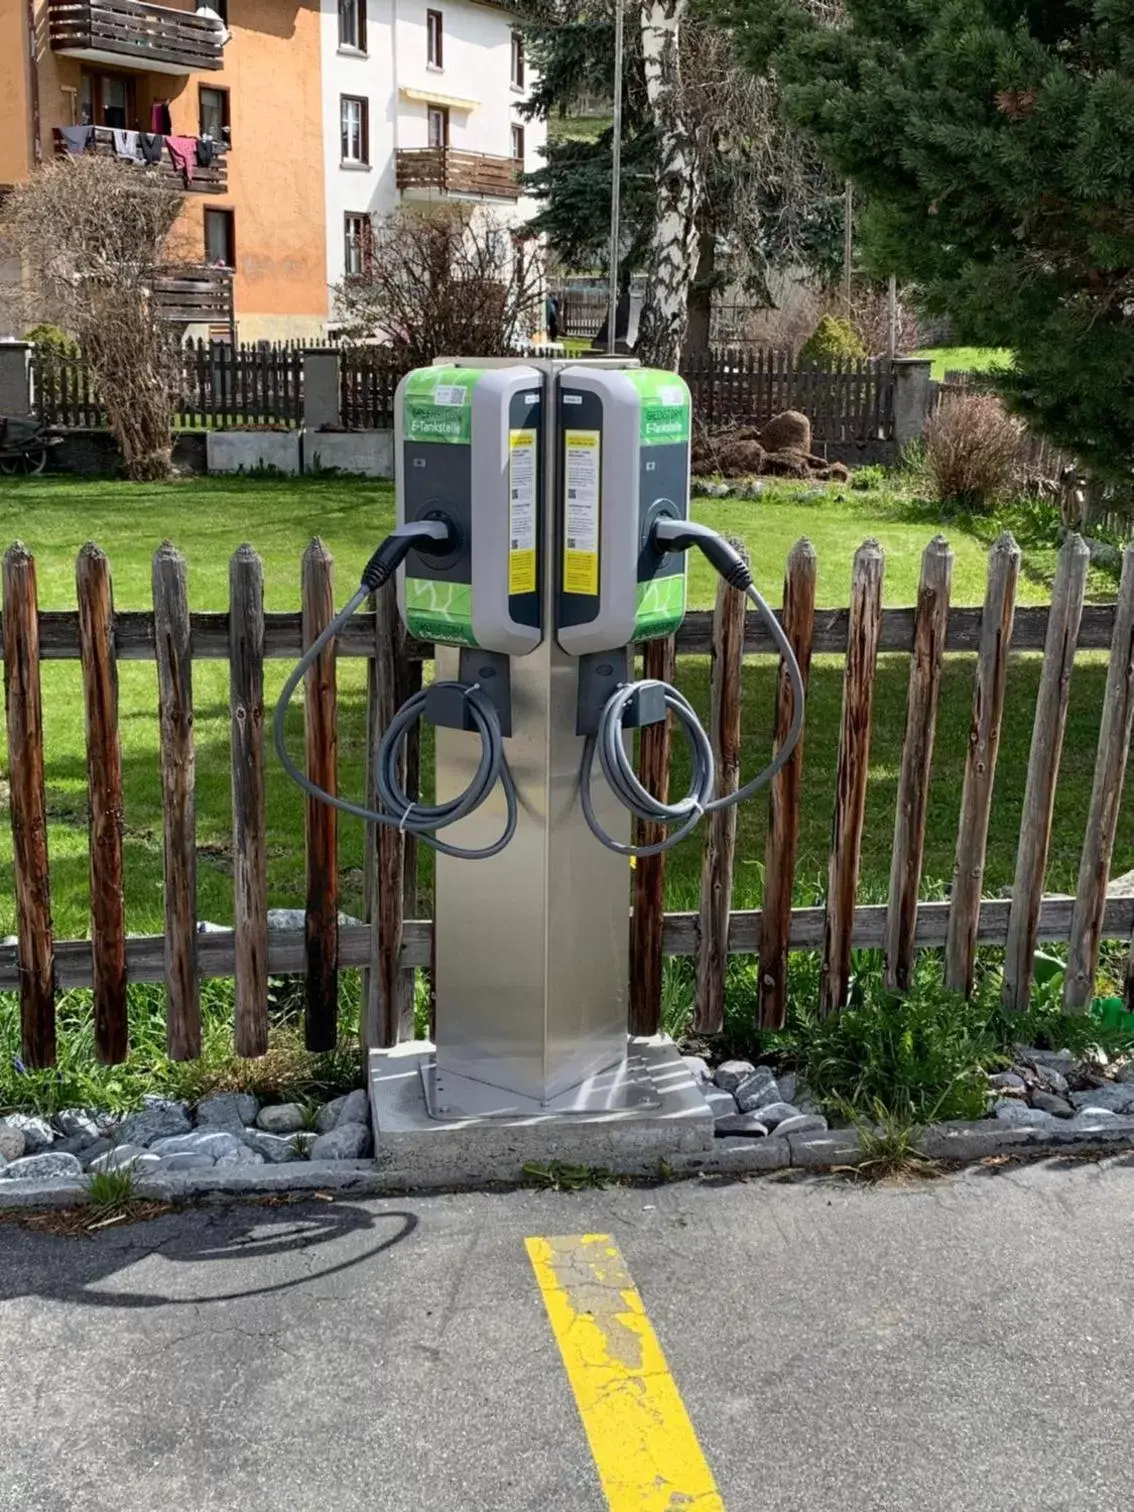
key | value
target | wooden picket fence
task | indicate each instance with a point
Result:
(845, 400)
(391, 946)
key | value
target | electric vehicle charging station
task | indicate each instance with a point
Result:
(542, 529)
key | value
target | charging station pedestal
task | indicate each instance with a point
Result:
(531, 947)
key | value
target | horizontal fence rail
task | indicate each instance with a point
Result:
(392, 943)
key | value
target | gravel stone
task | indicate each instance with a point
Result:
(699, 1067)
(12, 1144)
(38, 1133)
(356, 1109)
(350, 1141)
(730, 1074)
(741, 1123)
(1011, 1111)
(762, 1097)
(1008, 1081)
(1048, 1102)
(73, 1122)
(92, 1152)
(277, 1149)
(802, 1123)
(1116, 1097)
(1051, 1080)
(186, 1163)
(788, 1082)
(46, 1167)
(243, 1155)
(1094, 1115)
(212, 1143)
(721, 1102)
(749, 1089)
(125, 1157)
(282, 1118)
(773, 1114)
(227, 1110)
(328, 1115)
(1061, 1061)
(162, 1120)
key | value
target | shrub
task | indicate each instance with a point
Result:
(52, 338)
(832, 338)
(971, 450)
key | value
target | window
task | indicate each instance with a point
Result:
(518, 143)
(434, 44)
(438, 126)
(107, 99)
(517, 60)
(357, 244)
(221, 8)
(213, 114)
(220, 238)
(355, 120)
(352, 24)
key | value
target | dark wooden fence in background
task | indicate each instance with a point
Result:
(845, 400)
(391, 945)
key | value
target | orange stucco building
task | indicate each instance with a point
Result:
(246, 73)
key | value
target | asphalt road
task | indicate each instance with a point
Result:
(964, 1344)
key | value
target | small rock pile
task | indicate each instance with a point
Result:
(226, 1131)
(780, 449)
(754, 1100)
(1044, 1086)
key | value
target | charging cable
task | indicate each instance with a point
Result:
(610, 747)
(398, 809)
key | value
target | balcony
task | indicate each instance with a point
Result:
(194, 294)
(446, 170)
(134, 34)
(211, 180)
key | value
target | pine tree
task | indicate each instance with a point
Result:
(994, 143)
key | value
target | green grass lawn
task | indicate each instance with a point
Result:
(965, 359)
(209, 518)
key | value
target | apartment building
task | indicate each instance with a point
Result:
(420, 103)
(314, 115)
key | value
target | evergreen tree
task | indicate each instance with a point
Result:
(994, 140)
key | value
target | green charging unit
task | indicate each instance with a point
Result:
(468, 449)
(624, 439)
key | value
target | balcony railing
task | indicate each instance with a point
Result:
(133, 34)
(446, 170)
(210, 180)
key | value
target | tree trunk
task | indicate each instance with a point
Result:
(702, 289)
(665, 312)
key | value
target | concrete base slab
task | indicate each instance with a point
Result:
(413, 1149)
(367, 454)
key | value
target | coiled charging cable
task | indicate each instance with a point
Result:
(398, 809)
(608, 744)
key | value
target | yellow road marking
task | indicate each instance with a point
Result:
(643, 1443)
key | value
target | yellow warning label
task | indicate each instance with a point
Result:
(581, 474)
(522, 512)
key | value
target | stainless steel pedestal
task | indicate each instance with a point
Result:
(531, 954)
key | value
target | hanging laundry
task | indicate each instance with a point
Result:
(206, 152)
(76, 139)
(160, 119)
(183, 151)
(126, 145)
(151, 146)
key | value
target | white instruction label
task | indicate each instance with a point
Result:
(450, 393)
(581, 473)
(522, 512)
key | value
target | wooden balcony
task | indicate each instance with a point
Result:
(194, 294)
(446, 170)
(211, 180)
(135, 34)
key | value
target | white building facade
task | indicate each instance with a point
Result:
(420, 103)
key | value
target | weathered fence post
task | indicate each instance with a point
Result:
(1043, 768)
(175, 716)
(719, 846)
(931, 621)
(782, 842)
(104, 795)
(647, 921)
(388, 1002)
(989, 686)
(853, 769)
(322, 830)
(249, 822)
(1106, 798)
(27, 807)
